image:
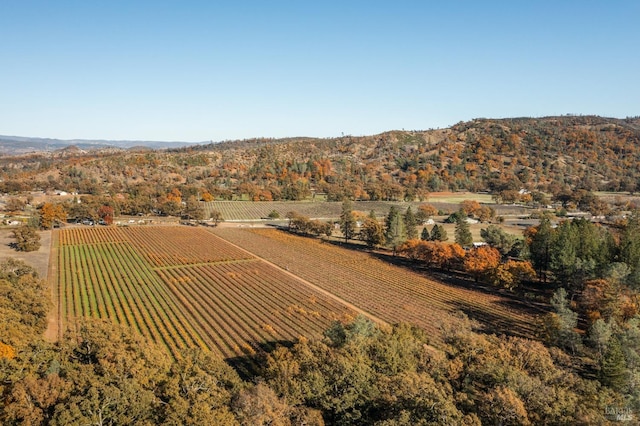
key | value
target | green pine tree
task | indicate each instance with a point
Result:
(438, 233)
(410, 224)
(463, 232)
(424, 235)
(630, 248)
(613, 368)
(395, 230)
(540, 247)
(347, 221)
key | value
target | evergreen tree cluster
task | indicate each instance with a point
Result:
(595, 272)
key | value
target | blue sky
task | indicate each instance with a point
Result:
(220, 70)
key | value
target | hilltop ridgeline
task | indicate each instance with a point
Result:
(551, 154)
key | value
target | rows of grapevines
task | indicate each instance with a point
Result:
(184, 287)
(251, 302)
(389, 292)
(91, 235)
(181, 245)
(255, 210)
(111, 281)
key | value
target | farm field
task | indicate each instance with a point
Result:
(185, 287)
(257, 210)
(458, 197)
(389, 292)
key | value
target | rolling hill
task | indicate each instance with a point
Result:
(551, 154)
(16, 145)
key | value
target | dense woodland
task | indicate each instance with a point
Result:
(583, 366)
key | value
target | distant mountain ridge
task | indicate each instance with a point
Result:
(558, 155)
(16, 145)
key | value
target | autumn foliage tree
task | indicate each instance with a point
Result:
(175, 195)
(512, 273)
(7, 351)
(608, 299)
(358, 373)
(51, 213)
(27, 238)
(303, 225)
(425, 211)
(485, 213)
(371, 231)
(434, 254)
(23, 304)
(207, 197)
(106, 214)
(14, 204)
(481, 261)
(470, 207)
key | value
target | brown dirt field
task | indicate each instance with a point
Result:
(39, 260)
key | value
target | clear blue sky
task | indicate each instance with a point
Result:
(218, 70)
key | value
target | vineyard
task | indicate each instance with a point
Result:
(389, 292)
(256, 210)
(191, 287)
(185, 287)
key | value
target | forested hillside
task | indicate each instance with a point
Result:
(555, 155)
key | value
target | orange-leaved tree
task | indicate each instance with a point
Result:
(481, 261)
(435, 254)
(470, 207)
(51, 213)
(7, 351)
(106, 213)
(207, 197)
(413, 249)
(175, 195)
(425, 211)
(512, 273)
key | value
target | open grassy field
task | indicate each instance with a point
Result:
(185, 287)
(389, 292)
